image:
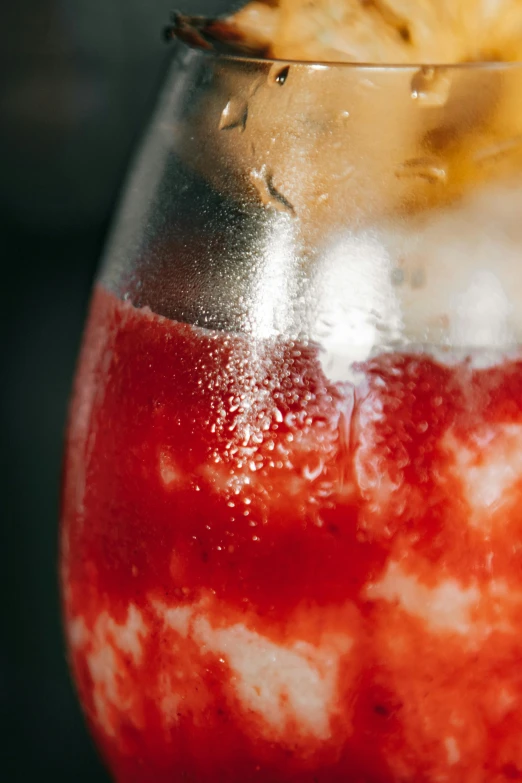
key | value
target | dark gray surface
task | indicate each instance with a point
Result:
(77, 83)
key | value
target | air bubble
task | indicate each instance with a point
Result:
(431, 86)
(234, 115)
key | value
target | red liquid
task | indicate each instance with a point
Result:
(268, 577)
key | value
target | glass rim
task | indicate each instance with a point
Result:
(229, 55)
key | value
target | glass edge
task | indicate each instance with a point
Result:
(248, 59)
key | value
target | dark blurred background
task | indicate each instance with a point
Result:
(78, 80)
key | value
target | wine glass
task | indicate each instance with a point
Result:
(291, 547)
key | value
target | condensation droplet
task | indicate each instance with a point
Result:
(432, 171)
(500, 149)
(313, 469)
(234, 115)
(431, 86)
(278, 75)
(270, 196)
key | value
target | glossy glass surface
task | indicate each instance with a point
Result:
(291, 540)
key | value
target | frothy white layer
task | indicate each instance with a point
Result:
(489, 468)
(449, 279)
(445, 607)
(285, 685)
(289, 685)
(358, 306)
(105, 643)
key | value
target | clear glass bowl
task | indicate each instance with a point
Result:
(291, 546)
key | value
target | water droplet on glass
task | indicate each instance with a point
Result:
(256, 84)
(345, 438)
(431, 86)
(234, 115)
(278, 75)
(262, 179)
(313, 468)
(499, 149)
(432, 171)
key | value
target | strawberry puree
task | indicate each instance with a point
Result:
(272, 577)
